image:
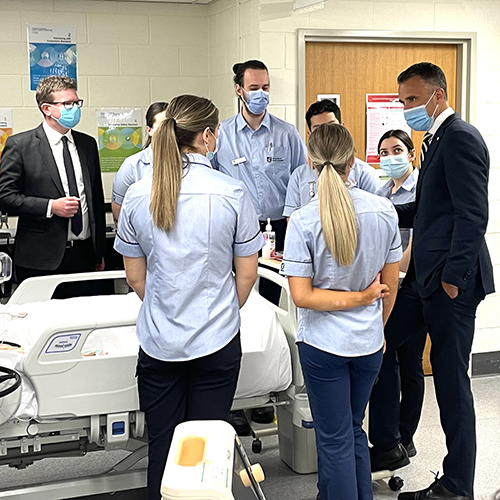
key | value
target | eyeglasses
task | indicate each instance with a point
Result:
(69, 104)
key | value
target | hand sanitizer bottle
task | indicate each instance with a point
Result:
(268, 251)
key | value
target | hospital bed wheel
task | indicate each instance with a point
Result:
(396, 483)
(256, 445)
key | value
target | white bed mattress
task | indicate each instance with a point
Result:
(265, 367)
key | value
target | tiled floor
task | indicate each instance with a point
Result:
(283, 484)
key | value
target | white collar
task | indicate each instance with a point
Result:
(440, 119)
(53, 136)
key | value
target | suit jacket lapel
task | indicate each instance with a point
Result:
(48, 158)
(432, 149)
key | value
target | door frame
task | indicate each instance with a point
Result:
(466, 43)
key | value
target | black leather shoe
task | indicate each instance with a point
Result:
(389, 460)
(436, 491)
(240, 423)
(263, 415)
(410, 449)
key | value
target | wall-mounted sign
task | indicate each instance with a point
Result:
(333, 97)
(383, 112)
(120, 136)
(5, 126)
(52, 51)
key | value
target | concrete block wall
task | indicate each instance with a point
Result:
(129, 55)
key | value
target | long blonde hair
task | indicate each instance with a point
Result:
(331, 151)
(186, 116)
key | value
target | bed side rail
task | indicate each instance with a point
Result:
(42, 288)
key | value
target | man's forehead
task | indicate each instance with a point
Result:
(327, 117)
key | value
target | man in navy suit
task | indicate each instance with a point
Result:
(450, 272)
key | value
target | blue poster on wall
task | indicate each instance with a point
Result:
(52, 51)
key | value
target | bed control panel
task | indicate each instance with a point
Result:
(117, 430)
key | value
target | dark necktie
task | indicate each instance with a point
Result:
(425, 146)
(76, 220)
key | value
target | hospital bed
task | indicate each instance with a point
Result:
(70, 387)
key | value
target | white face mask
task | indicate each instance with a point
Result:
(211, 154)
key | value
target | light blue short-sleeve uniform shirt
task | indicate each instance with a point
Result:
(303, 184)
(190, 307)
(133, 169)
(262, 159)
(353, 332)
(405, 194)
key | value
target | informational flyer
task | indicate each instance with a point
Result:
(5, 126)
(120, 136)
(52, 51)
(383, 112)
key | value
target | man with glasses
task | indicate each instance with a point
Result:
(50, 177)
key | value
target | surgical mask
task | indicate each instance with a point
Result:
(394, 166)
(418, 119)
(69, 117)
(211, 154)
(257, 101)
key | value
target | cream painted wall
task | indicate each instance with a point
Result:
(129, 55)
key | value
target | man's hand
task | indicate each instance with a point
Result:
(66, 207)
(451, 290)
(100, 266)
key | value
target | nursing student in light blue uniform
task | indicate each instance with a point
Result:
(341, 257)
(303, 183)
(137, 166)
(181, 231)
(397, 154)
(258, 148)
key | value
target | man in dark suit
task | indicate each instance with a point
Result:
(450, 272)
(50, 177)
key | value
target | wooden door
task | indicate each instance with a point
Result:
(354, 69)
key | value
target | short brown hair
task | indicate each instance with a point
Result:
(47, 87)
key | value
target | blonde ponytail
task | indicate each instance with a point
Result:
(186, 116)
(167, 175)
(331, 149)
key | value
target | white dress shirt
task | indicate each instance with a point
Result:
(56, 145)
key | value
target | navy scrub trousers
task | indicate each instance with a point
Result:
(174, 392)
(339, 388)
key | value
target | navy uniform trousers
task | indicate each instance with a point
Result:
(450, 324)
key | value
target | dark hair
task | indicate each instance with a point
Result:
(398, 134)
(153, 110)
(429, 73)
(240, 68)
(320, 107)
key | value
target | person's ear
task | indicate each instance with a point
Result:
(46, 109)
(413, 155)
(239, 90)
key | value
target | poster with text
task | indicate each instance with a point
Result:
(5, 126)
(383, 112)
(120, 136)
(52, 51)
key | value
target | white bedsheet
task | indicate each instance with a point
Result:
(265, 366)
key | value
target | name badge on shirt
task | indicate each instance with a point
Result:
(237, 161)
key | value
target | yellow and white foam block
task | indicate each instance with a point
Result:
(207, 462)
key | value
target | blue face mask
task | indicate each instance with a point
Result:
(418, 119)
(69, 117)
(394, 166)
(257, 101)
(211, 154)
